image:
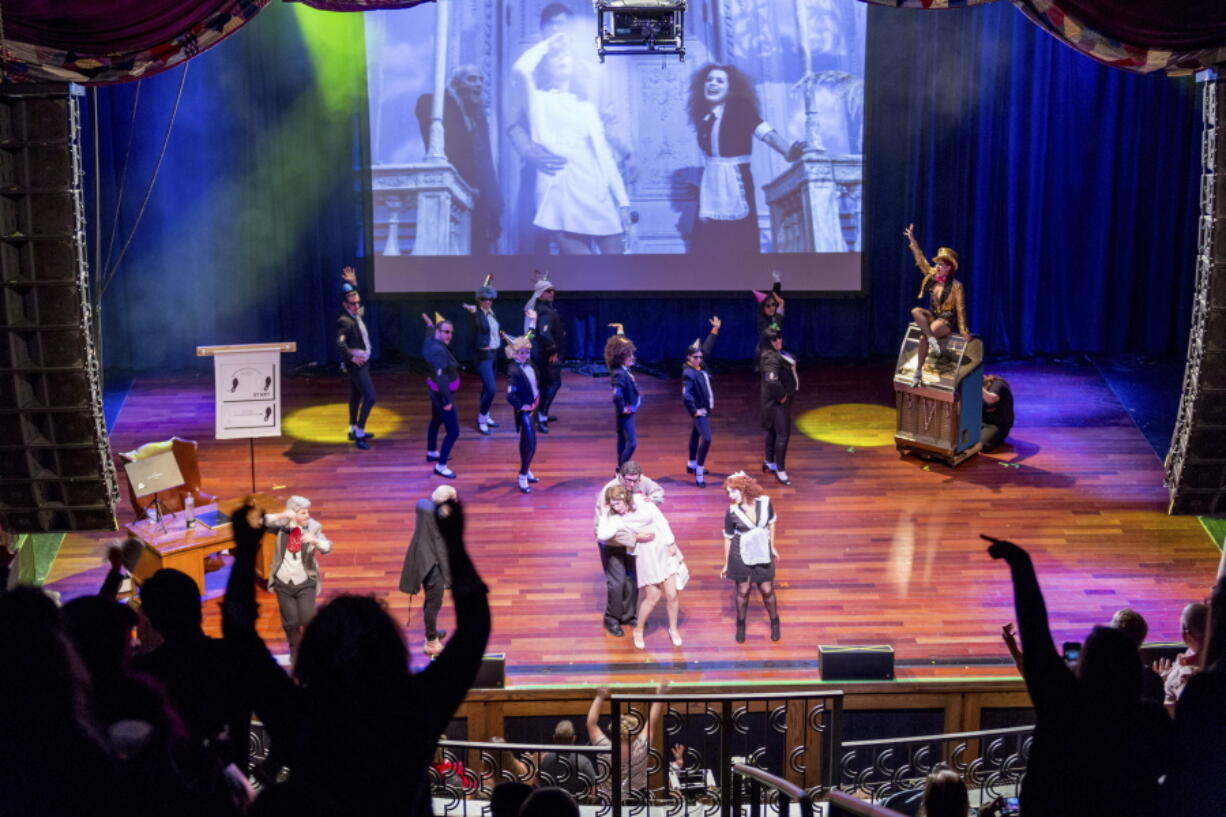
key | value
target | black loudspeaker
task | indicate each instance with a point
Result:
(56, 471)
(493, 671)
(873, 663)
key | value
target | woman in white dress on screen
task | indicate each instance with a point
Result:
(583, 205)
(659, 563)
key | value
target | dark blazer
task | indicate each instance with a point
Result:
(778, 377)
(348, 336)
(519, 387)
(482, 331)
(444, 368)
(694, 391)
(550, 332)
(426, 550)
(625, 392)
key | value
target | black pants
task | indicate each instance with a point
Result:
(621, 583)
(446, 418)
(777, 420)
(627, 437)
(485, 369)
(991, 436)
(524, 423)
(297, 605)
(433, 587)
(700, 439)
(551, 380)
(361, 394)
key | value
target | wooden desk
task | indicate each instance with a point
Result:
(184, 550)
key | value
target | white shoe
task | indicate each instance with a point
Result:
(444, 471)
(917, 379)
(524, 487)
(934, 348)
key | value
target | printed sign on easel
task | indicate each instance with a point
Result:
(247, 389)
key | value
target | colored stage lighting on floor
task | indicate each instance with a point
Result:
(852, 424)
(330, 423)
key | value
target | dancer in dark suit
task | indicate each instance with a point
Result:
(524, 395)
(548, 348)
(353, 341)
(443, 380)
(699, 400)
(779, 385)
(619, 357)
(426, 566)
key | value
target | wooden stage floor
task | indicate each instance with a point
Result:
(875, 549)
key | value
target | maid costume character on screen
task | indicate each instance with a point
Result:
(724, 111)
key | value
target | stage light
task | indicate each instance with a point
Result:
(861, 425)
(329, 423)
(640, 27)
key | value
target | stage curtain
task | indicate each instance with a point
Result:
(1178, 36)
(94, 42)
(1069, 189)
(258, 202)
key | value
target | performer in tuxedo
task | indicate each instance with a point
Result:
(779, 386)
(443, 381)
(426, 566)
(548, 347)
(524, 395)
(353, 341)
(294, 574)
(946, 300)
(619, 357)
(699, 399)
(617, 554)
(487, 339)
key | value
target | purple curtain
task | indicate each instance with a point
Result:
(103, 41)
(1178, 36)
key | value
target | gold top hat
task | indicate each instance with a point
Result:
(946, 254)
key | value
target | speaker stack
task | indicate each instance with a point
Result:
(56, 472)
(1196, 464)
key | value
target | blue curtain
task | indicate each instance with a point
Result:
(256, 206)
(1069, 190)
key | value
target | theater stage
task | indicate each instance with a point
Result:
(875, 549)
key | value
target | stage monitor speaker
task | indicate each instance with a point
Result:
(493, 671)
(56, 471)
(871, 663)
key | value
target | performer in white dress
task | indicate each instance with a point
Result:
(584, 203)
(660, 565)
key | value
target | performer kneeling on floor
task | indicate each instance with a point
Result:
(997, 411)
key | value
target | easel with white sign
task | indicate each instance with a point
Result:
(247, 391)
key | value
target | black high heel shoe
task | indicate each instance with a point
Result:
(766, 469)
(782, 476)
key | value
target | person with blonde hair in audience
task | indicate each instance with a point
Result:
(636, 739)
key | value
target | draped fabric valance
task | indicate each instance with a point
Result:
(1177, 36)
(98, 42)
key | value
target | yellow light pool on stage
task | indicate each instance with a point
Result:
(853, 424)
(330, 423)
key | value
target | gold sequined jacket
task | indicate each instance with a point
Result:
(953, 296)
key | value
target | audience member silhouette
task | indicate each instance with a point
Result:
(550, 801)
(507, 798)
(1196, 786)
(366, 727)
(1098, 748)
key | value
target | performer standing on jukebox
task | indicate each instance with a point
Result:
(354, 343)
(487, 340)
(443, 381)
(619, 357)
(946, 298)
(548, 348)
(699, 399)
